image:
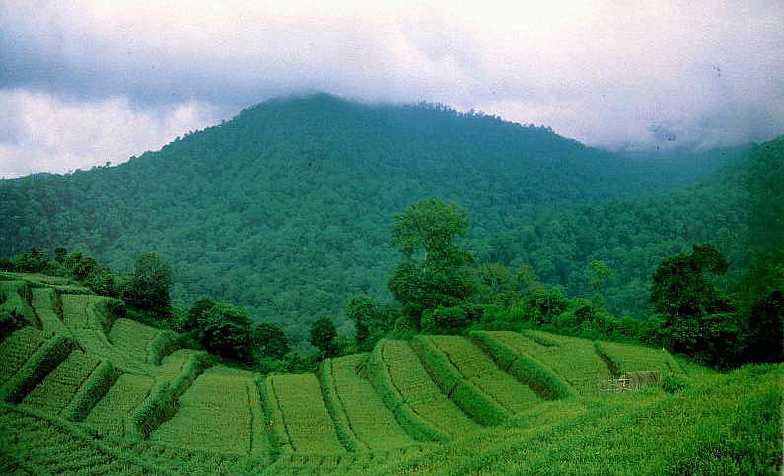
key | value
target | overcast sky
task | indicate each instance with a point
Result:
(88, 82)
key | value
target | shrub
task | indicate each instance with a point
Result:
(269, 340)
(323, 335)
(226, 332)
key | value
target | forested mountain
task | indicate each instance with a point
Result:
(286, 208)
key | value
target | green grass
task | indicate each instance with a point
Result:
(475, 366)
(136, 340)
(709, 429)
(419, 405)
(304, 417)
(574, 360)
(47, 306)
(51, 446)
(124, 403)
(637, 358)
(527, 370)
(60, 386)
(220, 413)
(357, 409)
(17, 348)
(88, 319)
(16, 296)
(111, 413)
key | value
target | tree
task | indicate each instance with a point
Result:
(225, 331)
(150, 284)
(197, 315)
(697, 319)
(323, 336)
(434, 270)
(598, 273)
(270, 340)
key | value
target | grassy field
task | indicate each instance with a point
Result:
(304, 420)
(357, 409)
(97, 396)
(574, 360)
(476, 367)
(220, 413)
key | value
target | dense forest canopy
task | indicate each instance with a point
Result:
(287, 208)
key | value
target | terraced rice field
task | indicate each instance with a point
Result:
(111, 412)
(475, 366)
(220, 413)
(360, 410)
(60, 386)
(635, 358)
(574, 360)
(85, 317)
(299, 415)
(133, 338)
(16, 296)
(414, 388)
(48, 446)
(46, 306)
(17, 348)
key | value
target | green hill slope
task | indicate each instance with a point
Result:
(490, 403)
(293, 198)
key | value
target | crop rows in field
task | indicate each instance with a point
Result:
(409, 391)
(46, 306)
(357, 409)
(133, 339)
(111, 413)
(636, 358)
(17, 348)
(298, 415)
(49, 446)
(574, 360)
(475, 366)
(53, 394)
(85, 316)
(16, 296)
(218, 413)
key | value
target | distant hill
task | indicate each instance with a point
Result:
(286, 208)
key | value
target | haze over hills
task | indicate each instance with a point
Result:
(286, 208)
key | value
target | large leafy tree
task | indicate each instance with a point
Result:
(226, 331)
(433, 270)
(323, 336)
(697, 318)
(150, 284)
(269, 340)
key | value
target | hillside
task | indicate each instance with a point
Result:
(294, 197)
(86, 391)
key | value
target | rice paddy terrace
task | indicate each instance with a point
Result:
(86, 392)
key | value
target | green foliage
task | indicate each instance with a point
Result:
(269, 340)
(10, 321)
(48, 356)
(433, 271)
(92, 390)
(305, 419)
(544, 304)
(226, 332)
(323, 336)
(524, 368)
(150, 284)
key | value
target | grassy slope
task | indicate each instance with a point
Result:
(346, 422)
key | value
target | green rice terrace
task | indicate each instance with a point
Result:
(86, 392)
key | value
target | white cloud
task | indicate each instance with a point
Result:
(48, 134)
(604, 72)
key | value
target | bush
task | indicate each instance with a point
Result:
(544, 304)
(226, 332)
(323, 337)
(269, 340)
(10, 321)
